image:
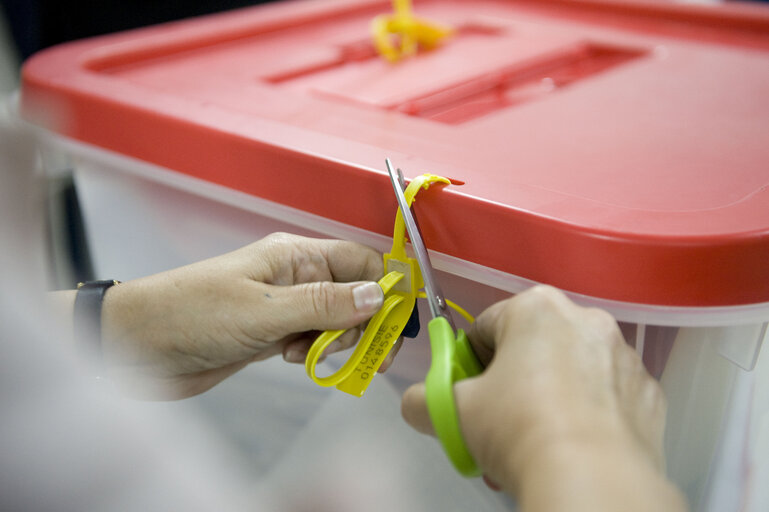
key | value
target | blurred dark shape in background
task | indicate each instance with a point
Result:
(37, 24)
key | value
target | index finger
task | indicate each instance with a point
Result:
(351, 261)
(537, 306)
(483, 332)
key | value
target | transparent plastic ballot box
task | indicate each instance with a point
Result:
(616, 150)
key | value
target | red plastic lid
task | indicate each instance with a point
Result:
(618, 150)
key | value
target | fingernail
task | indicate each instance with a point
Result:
(368, 297)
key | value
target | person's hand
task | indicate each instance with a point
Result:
(178, 333)
(565, 416)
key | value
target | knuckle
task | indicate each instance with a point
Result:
(540, 301)
(374, 267)
(508, 306)
(323, 298)
(548, 291)
(278, 238)
(601, 317)
(544, 296)
(604, 323)
(271, 245)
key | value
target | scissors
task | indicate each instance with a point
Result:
(397, 317)
(453, 358)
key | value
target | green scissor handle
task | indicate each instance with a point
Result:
(452, 360)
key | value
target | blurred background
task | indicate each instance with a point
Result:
(28, 26)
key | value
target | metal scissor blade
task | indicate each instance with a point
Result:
(433, 292)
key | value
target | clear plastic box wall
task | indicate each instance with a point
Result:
(141, 219)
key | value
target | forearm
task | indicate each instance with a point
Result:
(117, 312)
(61, 305)
(588, 476)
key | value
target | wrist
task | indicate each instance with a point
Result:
(545, 428)
(87, 316)
(119, 325)
(602, 469)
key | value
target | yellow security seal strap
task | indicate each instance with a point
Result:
(371, 349)
(400, 285)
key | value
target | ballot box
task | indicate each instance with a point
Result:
(616, 150)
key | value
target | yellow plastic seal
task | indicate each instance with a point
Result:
(410, 31)
(400, 285)
(353, 377)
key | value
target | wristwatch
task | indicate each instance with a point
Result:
(87, 315)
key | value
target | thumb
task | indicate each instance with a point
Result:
(325, 305)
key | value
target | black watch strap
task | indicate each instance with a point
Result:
(87, 315)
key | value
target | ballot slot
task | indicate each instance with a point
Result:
(364, 50)
(519, 83)
(484, 68)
